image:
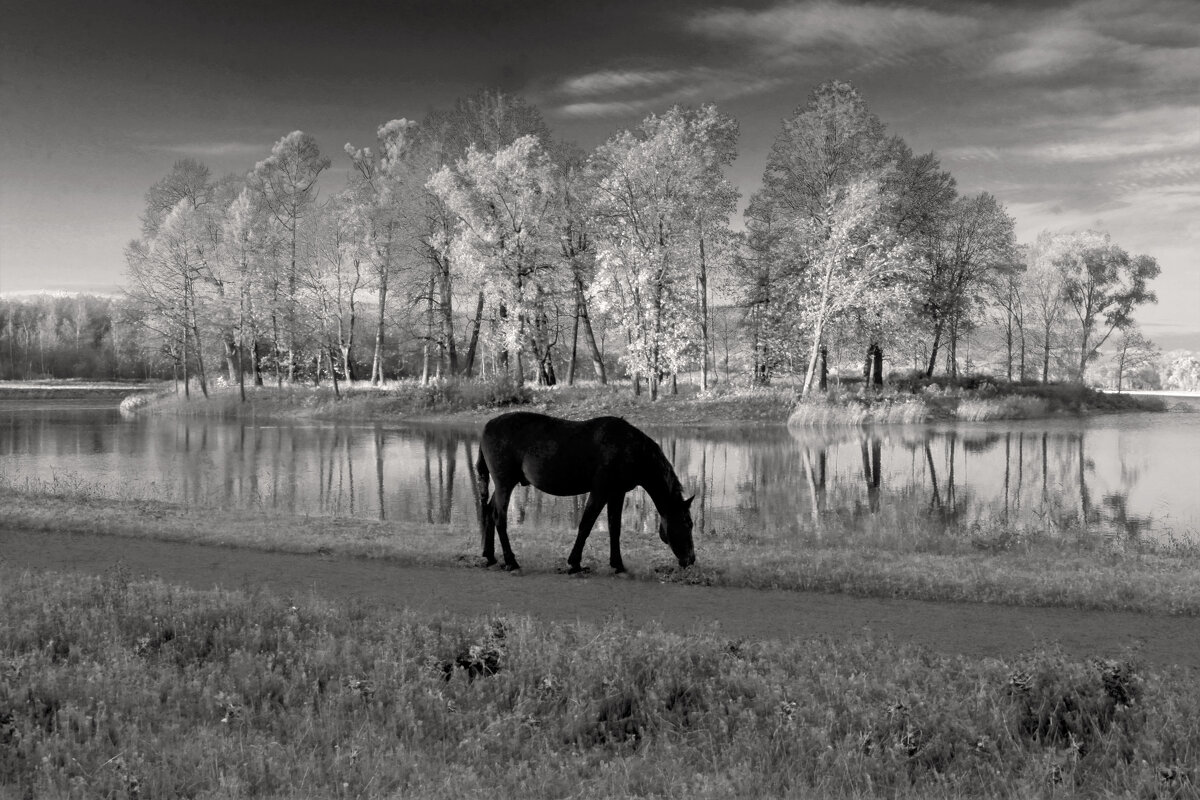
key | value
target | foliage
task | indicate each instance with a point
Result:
(474, 240)
(660, 194)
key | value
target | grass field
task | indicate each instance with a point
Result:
(113, 687)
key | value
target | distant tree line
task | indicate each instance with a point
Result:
(473, 243)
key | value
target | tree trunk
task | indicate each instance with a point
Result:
(823, 382)
(589, 336)
(933, 350)
(447, 318)
(231, 363)
(187, 389)
(474, 341)
(704, 348)
(377, 357)
(255, 366)
(574, 345)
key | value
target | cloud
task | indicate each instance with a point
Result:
(634, 92)
(608, 81)
(796, 31)
(1155, 42)
(1161, 132)
(971, 153)
(213, 149)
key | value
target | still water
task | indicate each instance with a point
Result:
(1132, 475)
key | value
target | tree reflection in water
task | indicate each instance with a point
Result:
(753, 484)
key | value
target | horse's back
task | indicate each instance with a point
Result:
(557, 455)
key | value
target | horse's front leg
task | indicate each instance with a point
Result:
(616, 504)
(500, 512)
(591, 511)
(487, 523)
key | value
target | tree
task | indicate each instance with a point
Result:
(287, 184)
(489, 121)
(383, 192)
(188, 180)
(659, 194)
(575, 237)
(851, 255)
(1102, 285)
(507, 240)
(1135, 354)
(1042, 286)
(825, 147)
(974, 249)
(1182, 372)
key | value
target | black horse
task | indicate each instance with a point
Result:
(605, 457)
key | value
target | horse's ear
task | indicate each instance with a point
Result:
(688, 502)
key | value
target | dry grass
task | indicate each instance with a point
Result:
(113, 687)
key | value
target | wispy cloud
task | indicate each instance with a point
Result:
(608, 81)
(805, 30)
(620, 93)
(213, 149)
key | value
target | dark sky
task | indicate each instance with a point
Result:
(1075, 114)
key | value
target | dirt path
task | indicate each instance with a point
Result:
(962, 628)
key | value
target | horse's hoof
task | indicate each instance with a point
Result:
(486, 563)
(515, 571)
(621, 573)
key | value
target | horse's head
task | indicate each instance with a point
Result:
(675, 529)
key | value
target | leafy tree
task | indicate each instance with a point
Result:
(1136, 355)
(507, 240)
(851, 255)
(659, 193)
(575, 237)
(188, 180)
(1042, 288)
(286, 182)
(383, 196)
(1182, 372)
(489, 121)
(1102, 285)
(974, 248)
(832, 143)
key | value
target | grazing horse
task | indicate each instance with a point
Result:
(605, 457)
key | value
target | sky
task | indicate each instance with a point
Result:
(1075, 114)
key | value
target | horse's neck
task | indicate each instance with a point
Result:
(658, 479)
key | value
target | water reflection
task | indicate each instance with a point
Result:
(1121, 476)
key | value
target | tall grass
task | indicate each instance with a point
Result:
(357, 401)
(1011, 407)
(858, 411)
(114, 687)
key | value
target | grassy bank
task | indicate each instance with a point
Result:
(473, 401)
(120, 688)
(971, 400)
(912, 558)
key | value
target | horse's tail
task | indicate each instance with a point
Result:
(485, 508)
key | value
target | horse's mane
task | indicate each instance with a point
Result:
(661, 467)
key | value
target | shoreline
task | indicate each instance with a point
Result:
(472, 402)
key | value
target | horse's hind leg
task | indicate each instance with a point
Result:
(500, 516)
(616, 505)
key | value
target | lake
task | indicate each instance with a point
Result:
(1122, 476)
